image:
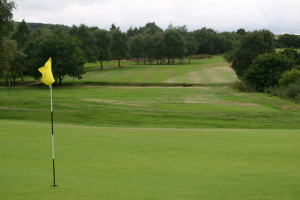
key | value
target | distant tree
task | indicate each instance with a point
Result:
(191, 45)
(22, 37)
(67, 57)
(137, 47)
(291, 53)
(22, 34)
(119, 46)
(289, 40)
(241, 31)
(159, 51)
(266, 70)
(113, 28)
(7, 58)
(88, 40)
(17, 65)
(248, 48)
(36, 37)
(103, 40)
(6, 20)
(182, 30)
(175, 45)
(206, 39)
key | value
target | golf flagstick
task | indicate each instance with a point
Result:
(50, 86)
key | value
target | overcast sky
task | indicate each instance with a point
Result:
(279, 16)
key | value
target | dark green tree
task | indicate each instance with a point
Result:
(175, 45)
(191, 45)
(137, 47)
(291, 53)
(22, 37)
(113, 28)
(205, 37)
(241, 31)
(266, 70)
(22, 34)
(6, 21)
(248, 48)
(103, 39)
(67, 57)
(159, 51)
(88, 40)
(119, 46)
(289, 40)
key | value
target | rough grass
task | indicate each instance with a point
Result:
(138, 163)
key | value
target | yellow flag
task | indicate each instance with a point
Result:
(47, 76)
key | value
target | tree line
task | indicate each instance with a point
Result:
(24, 50)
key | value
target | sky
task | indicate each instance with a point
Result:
(278, 16)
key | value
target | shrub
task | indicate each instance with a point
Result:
(266, 70)
(292, 91)
(289, 77)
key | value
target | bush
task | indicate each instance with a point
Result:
(266, 70)
(289, 77)
(292, 91)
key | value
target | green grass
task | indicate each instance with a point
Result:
(139, 163)
(158, 142)
(169, 107)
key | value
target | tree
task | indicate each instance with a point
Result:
(113, 28)
(119, 46)
(205, 37)
(289, 40)
(241, 31)
(175, 45)
(291, 53)
(6, 21)
(248, 48)
(17, 65)
(22, 34)
(7, 58)
(22, 37)
(103, 39)
(88, 40)
(137, 47)
(67, 57)
(159, 51)
(192, 45)
(266, 70)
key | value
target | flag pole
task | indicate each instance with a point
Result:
(52, 135)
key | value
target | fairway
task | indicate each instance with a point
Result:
(190, 135)
(145, 163)
(208, 71)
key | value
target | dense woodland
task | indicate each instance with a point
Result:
(27, 46)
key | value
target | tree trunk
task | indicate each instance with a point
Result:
(144, 61)
(189, 59)
(119, 63)
(22, 79)
(101, 64)
(157, 61)
(9, 81)
(168, 60)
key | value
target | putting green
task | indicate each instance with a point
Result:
(147, 163)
